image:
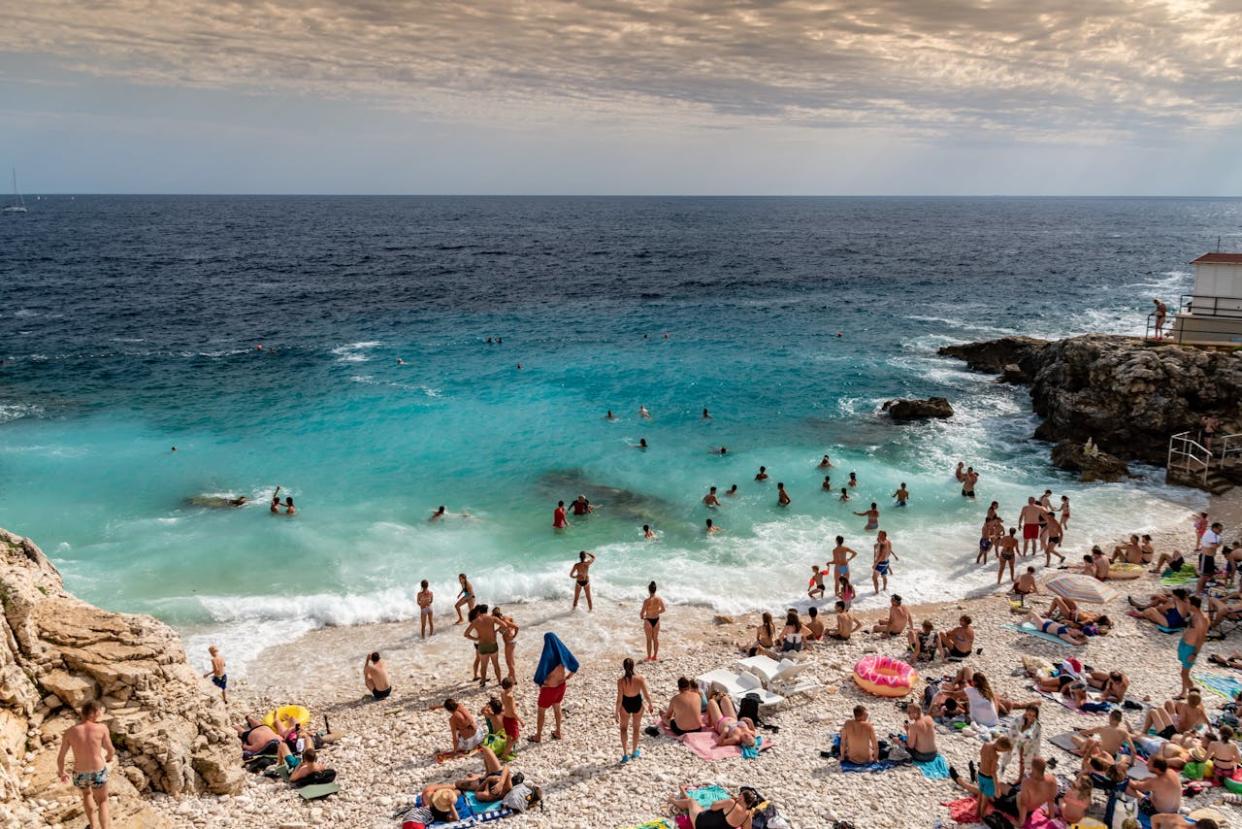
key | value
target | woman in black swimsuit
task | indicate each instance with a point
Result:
(653, 607)
(632, 697)
(580, 573)
(731, 813)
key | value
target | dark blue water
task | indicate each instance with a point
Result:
(131, 324)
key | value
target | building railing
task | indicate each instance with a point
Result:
(1200, 318)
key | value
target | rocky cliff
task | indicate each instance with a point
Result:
(1126, 395)
(170, 734)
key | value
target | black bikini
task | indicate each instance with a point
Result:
(653, 620)
(632, 705)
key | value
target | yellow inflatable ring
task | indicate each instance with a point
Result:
(884, 676)
(1125, 571)
(298, 713)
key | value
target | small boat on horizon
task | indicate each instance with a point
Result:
(18, 204)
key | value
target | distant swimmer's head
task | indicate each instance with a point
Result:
(560, 503)
(713, 490)
(724, 451)
(710, 524)
(375, 657)
(440, 510)
(642, 442)
(733, 488)
(288, 500)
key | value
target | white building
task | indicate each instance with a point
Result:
(1212, 313)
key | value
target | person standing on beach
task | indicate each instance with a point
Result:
(880, 566)
(652, 610)
(1065, 512)
(902, 495)
(426, 618)
(988, 788)
(556, 667)
(559, 521)
(841, 558)
(581, 574)
(1028, 519)
(1208, 545)
(483, 631)
(1055, 532)
(1161, 312)
(1006, 555)
(375, 676)
(508, 633)
(509, 717)
(1191, 642)
(872, 514)
(465, 598)
(632, 696)
(219, 677)
(92, 752)
(782, 497)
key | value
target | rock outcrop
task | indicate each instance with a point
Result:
(932, 407)
(171, 736)
(1127, 396)
(1090, 463)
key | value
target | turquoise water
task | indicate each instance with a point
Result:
(139, 334)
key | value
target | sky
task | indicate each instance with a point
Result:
(800, 97)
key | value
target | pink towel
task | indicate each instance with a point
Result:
(703, 743)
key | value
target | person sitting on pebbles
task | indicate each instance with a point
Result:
(897, 622)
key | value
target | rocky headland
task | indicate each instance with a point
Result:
(1126, 396)
(171, 736)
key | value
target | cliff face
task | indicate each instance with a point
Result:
(1127, 396)
(170, 734)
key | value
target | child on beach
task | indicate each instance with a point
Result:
(426, 619)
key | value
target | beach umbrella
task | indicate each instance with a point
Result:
(1080, 588)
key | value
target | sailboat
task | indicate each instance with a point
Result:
(19, 204)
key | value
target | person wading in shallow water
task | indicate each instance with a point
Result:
(581, 574)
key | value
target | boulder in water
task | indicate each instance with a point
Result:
(1091, 464)
(932, 407)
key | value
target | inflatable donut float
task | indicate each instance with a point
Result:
(296, 713)
(1123, 572)
(884, 676)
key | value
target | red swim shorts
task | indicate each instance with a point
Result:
(1030, 531)
(511, 727)
(549, 696)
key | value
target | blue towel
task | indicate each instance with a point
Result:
(1225, 686)
(870, 768)
(1038, 634)
(937, 769)
(752, 752)
(477, 807)
(554, 653)
(705, 796)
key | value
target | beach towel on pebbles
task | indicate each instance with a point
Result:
(703, 744)
(937, 769)
(471, 811)
(1222, 686)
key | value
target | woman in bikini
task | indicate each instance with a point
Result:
(1054, 628)
(508, 630)
(581, 574)
(730, 813)
(765, 637)
(652, 610)
(465, 598)
(791, 634)
(632, 696)
(1223, 753)
(872, 515)
(723, 720)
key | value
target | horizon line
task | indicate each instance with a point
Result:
(301, 194)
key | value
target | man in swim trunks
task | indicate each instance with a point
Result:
(426, 618)
(846, 623)
(683, 715)
(92, 752)
(559, 521)
(1191, 642)
(375, 676)
(872, 515)
(902, 495)
(988, 789)
(898, 621)
(509, 717)
(814, 626)
(482, 630)
(1026, 585)
(841, 558)
(1130, 552)
(881, 563)
(1037, 790)
(816, 589)
(581, 574)
(1164, 788)
(710, 499)
(1054, 533)
(858, 740)
(1161, 313)
(219, 677)
(968, 482)
(920, 734)
(465, 734)
(1028, 519)
(1208, 545)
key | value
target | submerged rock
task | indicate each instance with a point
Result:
(1090, 464)
(932, 407)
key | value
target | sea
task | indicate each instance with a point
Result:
(339, 348)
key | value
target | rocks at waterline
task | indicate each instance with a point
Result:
(906, 410)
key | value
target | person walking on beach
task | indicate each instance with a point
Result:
(581, 574)
(375, 676)
(219, 677)
(633, 696)
(880, 566)
(1028, 518)
(1191, 643)
(652, 610)
(482, 630)
(92, 752)
(1006, 555)
(841, 558)
(1055, 532)
(465, 598)
(872, 514)
(426, 618)
(556, 667)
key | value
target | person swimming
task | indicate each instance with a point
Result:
(762, 474)
(825, 463)
(782, 497)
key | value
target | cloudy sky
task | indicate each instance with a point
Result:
(624, 96)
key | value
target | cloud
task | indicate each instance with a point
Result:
(1041, 70)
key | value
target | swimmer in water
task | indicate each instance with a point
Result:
(648, 533)
(610, 415)
(731, 491)
(400, 361)
(902, 495)
(290, 509)
(581, 506)
(872, 515)
(643, 413)
(581, 574)
(845, 494)
(826, 463)
(275, 510)
(782, 497)
(437, 515)
(762, 475)
(706, 415)
(642, 444)
(721, 451)
(960, 472)
(559, 521)
(711, 528)
(826, 486)
(853, 479)
(710, 498)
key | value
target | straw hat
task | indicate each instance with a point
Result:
(443, 799)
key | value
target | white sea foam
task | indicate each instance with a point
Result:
(16, 411)
(354, 352)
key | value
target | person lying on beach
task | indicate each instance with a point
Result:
(493, 784)
(683, 715)
(375, 676)
(920, 734)
(765, 638)
(1171, 609)
(1063, 608)
(988, 788)
(959, 642)
(1234, 660)
(256, 737)
(1054, 628)
(1112, 684)
(898, 621)
(723, 720)
(925, 644)
(846, 624)
(729, 813)
(858, 740)
(441, 800)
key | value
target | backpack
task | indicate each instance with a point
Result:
(748, 707)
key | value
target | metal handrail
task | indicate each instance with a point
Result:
(1230, 447)
(1189, 456)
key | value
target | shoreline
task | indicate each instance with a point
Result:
(386, 756)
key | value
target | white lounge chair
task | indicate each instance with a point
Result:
(764, 667)
(794, 678)
(738, 685)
